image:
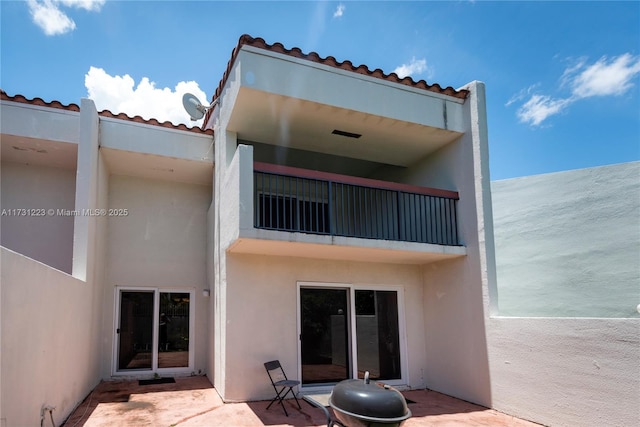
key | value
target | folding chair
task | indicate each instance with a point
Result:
(279, 379)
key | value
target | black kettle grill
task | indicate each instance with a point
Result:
(358, 403)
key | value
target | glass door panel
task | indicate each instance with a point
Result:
(135, 334)
(325, 339)
(173, 333)
(378, 334)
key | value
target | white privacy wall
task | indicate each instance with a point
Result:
(49, 344)
(568, 243)
(566, 372)
(567, 255)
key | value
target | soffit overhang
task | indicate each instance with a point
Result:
(276, 99)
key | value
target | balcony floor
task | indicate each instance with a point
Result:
(194, 402)
(275, 243)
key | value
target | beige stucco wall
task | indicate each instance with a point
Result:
(49, 347)
(161, 243)
(262, 314)
(456, 297)
(47, 238)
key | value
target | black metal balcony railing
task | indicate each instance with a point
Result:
(291, 203)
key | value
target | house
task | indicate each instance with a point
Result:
(349, 201)
(331, 216)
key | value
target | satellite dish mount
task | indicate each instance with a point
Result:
(194, 107)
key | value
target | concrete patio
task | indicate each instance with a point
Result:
(194, 402)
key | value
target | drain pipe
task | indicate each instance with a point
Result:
(42, 414)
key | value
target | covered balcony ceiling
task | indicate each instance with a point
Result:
(305, 125)
(146, 165)
(41, 152)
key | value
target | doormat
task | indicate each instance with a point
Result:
(167, 380)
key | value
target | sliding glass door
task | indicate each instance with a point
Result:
(135, 334)
(345, 331)
(153, 330)
(324, 338)
(378, 334)
(173, 328)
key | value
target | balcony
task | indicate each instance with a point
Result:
(303, 201)
(274, 210)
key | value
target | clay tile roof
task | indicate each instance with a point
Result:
(247, 40)
(38, 101)
(154, 122)
(103, 113)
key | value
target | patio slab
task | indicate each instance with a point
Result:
(193, 402)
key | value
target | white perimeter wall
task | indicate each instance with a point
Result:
(568, 243)
(48, 239)
(566, 372)
(49, 348)
(160, 243)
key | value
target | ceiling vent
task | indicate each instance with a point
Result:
(347, 134)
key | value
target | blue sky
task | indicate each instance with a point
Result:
(562, 78)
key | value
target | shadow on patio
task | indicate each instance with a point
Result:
(194, 402)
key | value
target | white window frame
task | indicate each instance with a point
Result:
(156, 325)
(353, 350)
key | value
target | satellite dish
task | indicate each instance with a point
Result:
(194, 107)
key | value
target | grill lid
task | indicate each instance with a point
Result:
(371, 402)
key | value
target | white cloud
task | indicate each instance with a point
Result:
(539, 107)
(605, 77)
(569, 72)
(522, 94)
(90, 5)
(415, 66)
(339, 11)
(47, 14)
(119, 94)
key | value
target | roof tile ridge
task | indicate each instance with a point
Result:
(348, 65)
(153, 122)
(313, 56)
(38, 101)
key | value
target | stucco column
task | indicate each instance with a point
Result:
(84, 227)
(225, 145)
(482, 182)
